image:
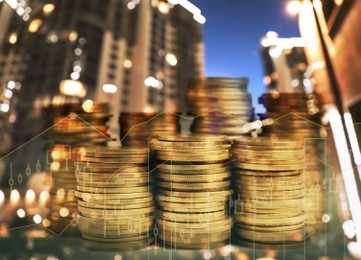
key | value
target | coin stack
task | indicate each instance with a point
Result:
(137, 129)
(219, 105)
(193, 191)
(304, 124)
(116, 208)
(71, 127)
(269, 184)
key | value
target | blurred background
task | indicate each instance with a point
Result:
(139, 56)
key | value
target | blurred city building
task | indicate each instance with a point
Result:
(137, 55)
(284, 64)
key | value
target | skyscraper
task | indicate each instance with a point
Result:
(137, 55)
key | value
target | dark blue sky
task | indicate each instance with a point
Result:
(232, 33)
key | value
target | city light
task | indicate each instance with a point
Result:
(63, 212)
(8, 93)
(30, 196)
(191, 8)
(53, 38)
(37, 219)
(77, 68)
(346, 169)
(78, 51)
(11, 84)
(35, 25)
(75, 75)
(88, 106)
(46, 223)
(163, 7)
(73, 35)
(349, 229)
(72, 88)
(271, 34)
(48, 9)
(171, 59)
(21, 213)
(20, 11)
(2, 198)
(131, 5)
(353, 141)
(110, 88)
(153, 82)
(14, 197)
(26, 17)
(284, 43)
(199, 18)
(4, 107)
(12, 3)
(128, 64)
(13, 38)
(317, 4)
(294, 7)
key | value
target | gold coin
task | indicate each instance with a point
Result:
(203, 194)
(258, 173)
(128, 246)
(191, 205)
(271, 222)
(94, 213)
(273, 167)
(120, 205)
(116, 220)
(196, 168)
(194, 178)
(192, 217)
(195, 186)
(101, 197)
(113, 190)
(192, 138)
(193, 158)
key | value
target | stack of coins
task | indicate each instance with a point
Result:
(269, 193)
(71, 127)
(304, 124)
(193, 191)
(137, 129)
(116, 208)
(220, 105)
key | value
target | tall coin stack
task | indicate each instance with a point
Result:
(303, 124)
(219, 105)
(137, 129)
(116, 208)
(193, 191)
(270, 191)
(73, 126)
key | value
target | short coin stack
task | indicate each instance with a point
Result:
(193, 191)
(220, 105)
(137, 129)
(270, 191)
(73, 126)
(115, 199)
(304, 124)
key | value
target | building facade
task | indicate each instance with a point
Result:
(137, 55)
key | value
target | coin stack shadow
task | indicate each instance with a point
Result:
(303, 124)
(116, 208)
(193, 191)
(219, 105)
(269, 183)
(137, 129)
(71, 127)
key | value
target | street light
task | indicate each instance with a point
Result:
(294, 7)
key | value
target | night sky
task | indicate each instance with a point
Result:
(232, 34)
